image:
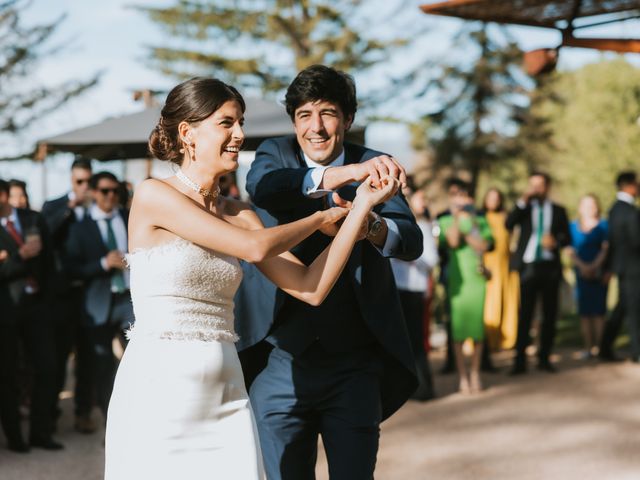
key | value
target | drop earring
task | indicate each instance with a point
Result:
(186, 142)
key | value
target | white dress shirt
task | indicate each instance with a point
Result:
(625, 197)
(13, 217)
(311, 188)
(119, 231)
(78, 210)
(547, 218)
(414, 276)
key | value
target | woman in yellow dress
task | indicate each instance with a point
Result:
(503, 289)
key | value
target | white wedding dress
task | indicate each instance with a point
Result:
(179, 408)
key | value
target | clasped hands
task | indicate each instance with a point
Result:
(380, 178)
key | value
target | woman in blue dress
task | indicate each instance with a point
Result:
(589, 236)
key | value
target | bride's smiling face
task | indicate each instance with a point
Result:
(218, 138)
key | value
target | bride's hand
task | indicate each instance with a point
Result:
(372, 196)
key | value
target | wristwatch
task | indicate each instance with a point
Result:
(374, 226)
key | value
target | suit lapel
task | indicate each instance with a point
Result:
(349, 155)
(355, 263)
(94, 231)
(25, 223)
(125, 218)
(7, 241)
(297, 158)
(25, 220)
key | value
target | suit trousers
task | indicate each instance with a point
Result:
(9, 411)
(336, 396)
(538, 280)
(100, 339)
(36, 327)
(612, 327)
(71, 337)
(630, 301)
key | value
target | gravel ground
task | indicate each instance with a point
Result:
(581, 423)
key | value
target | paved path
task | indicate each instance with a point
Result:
(582, 423)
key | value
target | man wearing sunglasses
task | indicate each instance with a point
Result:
(60, 214)
(95, 253)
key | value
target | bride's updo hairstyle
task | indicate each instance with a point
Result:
(191, 101)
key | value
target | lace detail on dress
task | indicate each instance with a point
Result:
(181, 291)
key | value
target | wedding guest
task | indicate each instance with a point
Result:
(503, 295)
(544, 230)
(624, 261)
(18, 196)
(60, 214)
(9, 342)
(589, 236)
(413, 280)
(94, 253)
(466, 236)
(449, 365)
(125, 195)
(29, 264)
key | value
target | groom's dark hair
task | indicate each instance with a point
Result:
(322, 83)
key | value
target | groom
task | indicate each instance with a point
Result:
(338, 369)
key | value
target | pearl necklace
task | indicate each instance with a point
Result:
(205, 192)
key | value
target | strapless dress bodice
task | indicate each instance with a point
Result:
(183, 291)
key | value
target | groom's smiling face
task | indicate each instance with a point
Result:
(320, 128)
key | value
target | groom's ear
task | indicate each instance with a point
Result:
(348, 121)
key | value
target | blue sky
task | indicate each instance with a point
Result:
(111, 37)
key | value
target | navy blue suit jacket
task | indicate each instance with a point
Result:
(274, 183)
(83, 250)
(59, 217)
(14, 270)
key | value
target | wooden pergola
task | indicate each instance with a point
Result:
(566, 16)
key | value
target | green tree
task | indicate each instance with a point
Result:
(593, 115)
(262, 44)
(472, 128)
(22, 102)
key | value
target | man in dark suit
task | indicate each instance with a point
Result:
(27, 271)
(94, 253)
(9, 340)
(60, 214)
(624, 261)
(544, 230)
(338, 369)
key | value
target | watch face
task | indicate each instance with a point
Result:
(375, 227)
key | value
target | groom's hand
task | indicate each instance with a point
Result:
(379, 167)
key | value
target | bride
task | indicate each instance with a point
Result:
(179, 408)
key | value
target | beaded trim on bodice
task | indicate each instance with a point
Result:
(182, 291)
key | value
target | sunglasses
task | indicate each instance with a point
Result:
(107, 191)
(80, 181)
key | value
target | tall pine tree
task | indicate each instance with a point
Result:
(260, 45)
(472, 127)
(22, 102)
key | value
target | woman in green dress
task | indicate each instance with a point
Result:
(466, 236)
